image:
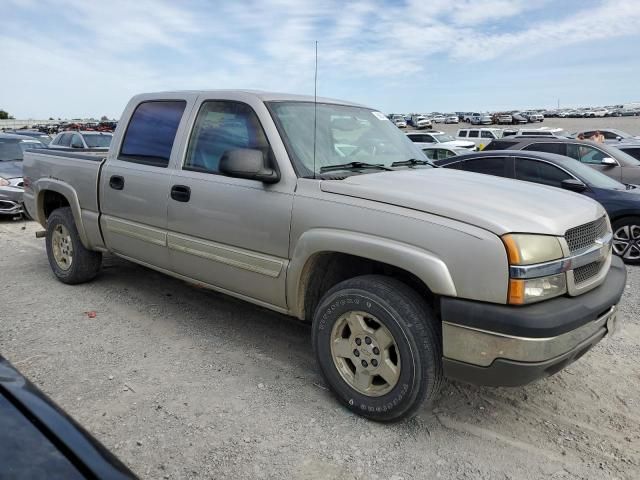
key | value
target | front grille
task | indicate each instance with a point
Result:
(585, 272)
(584, 236)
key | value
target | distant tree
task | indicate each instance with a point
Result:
(104, 118)
(4, 115)
(51, 118)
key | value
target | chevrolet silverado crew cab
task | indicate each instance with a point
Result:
(327, 212)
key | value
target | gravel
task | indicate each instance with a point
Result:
(181, 382)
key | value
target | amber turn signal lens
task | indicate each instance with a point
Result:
(513, 253)
(516, 292)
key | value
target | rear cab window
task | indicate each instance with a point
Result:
(151, 132)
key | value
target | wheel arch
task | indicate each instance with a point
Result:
(342, 254)
(52, 194)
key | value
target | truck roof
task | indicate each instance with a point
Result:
(265, 96)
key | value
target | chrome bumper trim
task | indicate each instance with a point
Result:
(591, 254)
(481, 347)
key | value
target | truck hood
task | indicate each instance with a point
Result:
(496, 204)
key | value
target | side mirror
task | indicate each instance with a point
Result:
(574, 185)
(608, 161)
(618, 138)
(249, 164)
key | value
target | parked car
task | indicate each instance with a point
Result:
(451, 118)
(39, 440)
(609, 160)
(406, 272)
(479, 136)
(518, 118)
(438, 137)
(541, 132)
(420, 122)
(81, 139)
(532, 116)
(632, 149)
(480, 119)
(503, 118)
(42, 137)
(12, 148)
(399, 121)
(622, 202)
(441, 151)
(438, 119)
(611, 135)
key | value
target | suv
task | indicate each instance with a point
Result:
(532, 116)
(609, 160)
(479, 136)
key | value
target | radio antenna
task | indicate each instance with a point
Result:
(315, 110)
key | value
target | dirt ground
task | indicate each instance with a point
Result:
(181, 382)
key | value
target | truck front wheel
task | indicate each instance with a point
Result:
(378, 347)
(70, 261)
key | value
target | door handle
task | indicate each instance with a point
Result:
(116, 182)
(180, 193)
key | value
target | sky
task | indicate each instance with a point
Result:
(83, 58)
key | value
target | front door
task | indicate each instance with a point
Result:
(230, 233)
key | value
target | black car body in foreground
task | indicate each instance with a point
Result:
(622, 202)
(40, 441)
(607, 159)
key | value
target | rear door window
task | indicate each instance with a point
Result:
(497, 166)
(540, 172)
(151, 132)
(473, 133)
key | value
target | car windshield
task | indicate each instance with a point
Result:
(444, 138)
(13, 149)
(343, 134)
(97, 140)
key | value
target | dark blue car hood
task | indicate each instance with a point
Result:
(11, 169)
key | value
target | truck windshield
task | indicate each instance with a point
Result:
(343, 134)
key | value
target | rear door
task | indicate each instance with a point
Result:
(231, 233)
(134, 183)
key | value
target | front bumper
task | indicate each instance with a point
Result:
(488, 344)
(11, 200)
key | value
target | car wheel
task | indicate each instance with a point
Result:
(70, 261)
(626, 239)
(378, 347)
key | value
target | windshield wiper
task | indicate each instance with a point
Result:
(353, 166)
(412, 162)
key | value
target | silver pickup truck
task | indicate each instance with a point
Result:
(327, 212)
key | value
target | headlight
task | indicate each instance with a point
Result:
(4, 182)
(524, 249)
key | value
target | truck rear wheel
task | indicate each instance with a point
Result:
(378, 347)
(70, 261)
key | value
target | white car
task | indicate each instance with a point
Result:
(480, 119)
(439, 138)
(399, 121)
(596, 112)
(451, 119)
(533, 116)
(81, 139)
(480, 137)
(541, 132)
(438, 119)
(420, 121)
(440, 151)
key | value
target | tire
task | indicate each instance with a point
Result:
(70, 261)
(387, 308)
(626, 239)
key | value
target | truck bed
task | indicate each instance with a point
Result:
(77, 167)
